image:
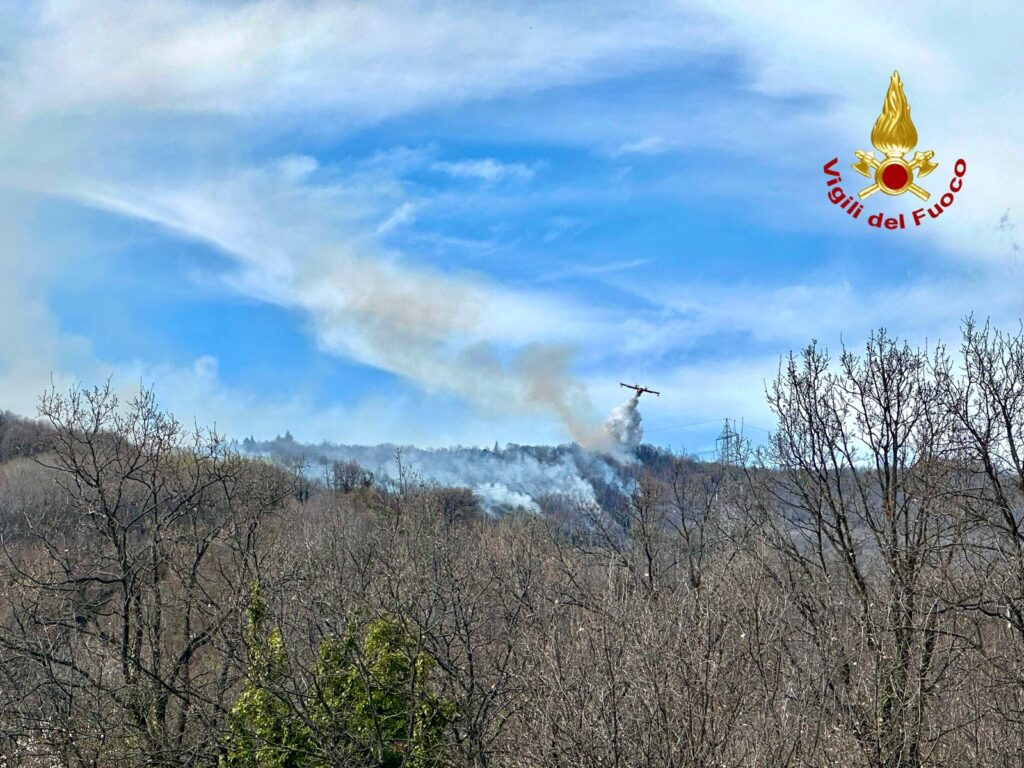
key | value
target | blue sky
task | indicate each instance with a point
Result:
(447, 223)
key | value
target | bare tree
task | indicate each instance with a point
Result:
(122, 609)
(864, 527)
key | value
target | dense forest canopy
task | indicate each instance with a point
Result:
(852, 594)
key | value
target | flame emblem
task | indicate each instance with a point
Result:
(894, 135)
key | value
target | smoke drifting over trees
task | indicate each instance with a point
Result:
(504, 479)
(852, 597)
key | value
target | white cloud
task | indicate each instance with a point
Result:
(294, 168)
(487, 169)
(363, 60)
(592, 270)
(403, 214)
(206, 367)
(649, 145)
(78, 74)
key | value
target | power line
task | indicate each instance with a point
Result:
(682, 426)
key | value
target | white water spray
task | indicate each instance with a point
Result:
(623, 425)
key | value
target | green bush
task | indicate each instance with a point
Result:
(370, 702)
(372, 698)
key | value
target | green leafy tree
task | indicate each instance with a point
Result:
(369, 705)
(372, 700)
(265, 731)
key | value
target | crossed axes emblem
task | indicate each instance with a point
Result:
(894, 175)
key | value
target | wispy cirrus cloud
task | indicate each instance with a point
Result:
(366, 61)
(648, 145)
(299, 237)
(487, 169)
(227, 124)
(403, 214)
(500, 349)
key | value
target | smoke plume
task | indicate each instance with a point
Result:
(513, 477)
(448, 333)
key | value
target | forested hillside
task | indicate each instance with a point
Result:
(853, 595)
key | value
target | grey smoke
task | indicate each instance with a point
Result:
(496, 496)
(514, 477)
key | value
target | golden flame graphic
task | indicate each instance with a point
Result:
(894, 132)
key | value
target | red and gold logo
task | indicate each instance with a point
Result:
(894, 135)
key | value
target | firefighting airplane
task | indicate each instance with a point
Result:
(639, 390)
